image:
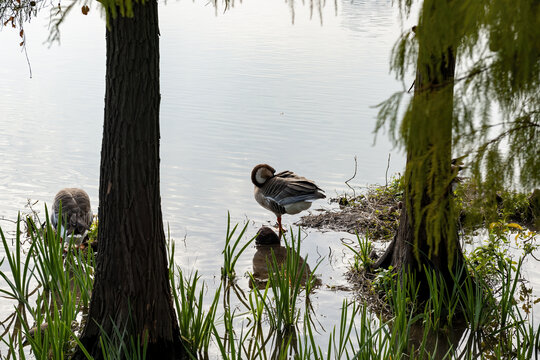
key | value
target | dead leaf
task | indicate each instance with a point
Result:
(85, 9)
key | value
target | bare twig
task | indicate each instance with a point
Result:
(354, 175)
(387, 167)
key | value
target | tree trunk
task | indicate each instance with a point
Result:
(131, 289)
(427, 233)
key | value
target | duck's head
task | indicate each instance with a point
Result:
(77, 225)
(261, 173)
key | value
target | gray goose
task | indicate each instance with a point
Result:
(76, 211)
(284, 192)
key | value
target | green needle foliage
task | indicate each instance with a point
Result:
(487, 106)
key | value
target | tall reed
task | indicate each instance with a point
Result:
(49, 283)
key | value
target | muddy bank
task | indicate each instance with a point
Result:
(375, 212)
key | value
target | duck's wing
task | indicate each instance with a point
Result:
(65, 199)
(88, 217)
(75, 202)
(85, 210)
(54, 218)
(288, 188)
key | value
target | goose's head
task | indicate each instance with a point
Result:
(261, 173)
(77, 224)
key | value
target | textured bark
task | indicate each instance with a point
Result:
(400, 254)
(410, 249)
(131, 289)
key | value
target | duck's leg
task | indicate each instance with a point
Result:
(281, 231)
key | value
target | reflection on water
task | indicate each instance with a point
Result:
(368, 17)
(442, 344)
(272, 256)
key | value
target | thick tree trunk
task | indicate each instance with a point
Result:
(427, 233)
(131, 289)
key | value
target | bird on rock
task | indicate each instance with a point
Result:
(76, 211)
(284, 192)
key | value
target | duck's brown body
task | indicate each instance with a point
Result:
(284, 192)
(76, 211)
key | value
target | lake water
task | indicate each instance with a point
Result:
(238, 88)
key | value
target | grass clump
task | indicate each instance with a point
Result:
(488, 315)
(50, 284)
(195, 323)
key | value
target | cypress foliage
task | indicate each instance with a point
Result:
(495, 101)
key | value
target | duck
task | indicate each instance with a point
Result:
(284, 192)
(76, 211)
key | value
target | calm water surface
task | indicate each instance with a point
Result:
(238, 88)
